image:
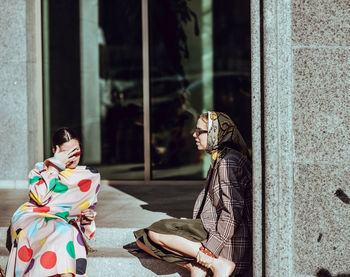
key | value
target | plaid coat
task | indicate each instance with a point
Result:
(227, 211)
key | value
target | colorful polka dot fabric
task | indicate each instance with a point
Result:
(43, 242)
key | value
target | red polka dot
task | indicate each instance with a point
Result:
(41, 210)
(92, 235)
(84, 185)
(41, 181)
(48, 260)
(25, 253)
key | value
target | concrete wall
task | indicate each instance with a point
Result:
(20, 90)
(321, 120)
(303, 126)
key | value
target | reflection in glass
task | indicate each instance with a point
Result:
(121, 89)
(93, 81)
(199, 61)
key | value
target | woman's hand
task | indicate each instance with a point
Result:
(65, 156)
(87, 216)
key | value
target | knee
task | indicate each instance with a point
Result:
(155, 237)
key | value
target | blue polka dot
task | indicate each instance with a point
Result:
(33, 229)
(17, 272)
(18, 210)
(62, 227)
(65, 206)
(17, 216)
(40, 165)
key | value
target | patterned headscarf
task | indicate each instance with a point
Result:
(222, 136)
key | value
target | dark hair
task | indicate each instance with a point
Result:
(63, 135)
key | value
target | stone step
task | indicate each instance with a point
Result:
(128, 262)
(104, 237)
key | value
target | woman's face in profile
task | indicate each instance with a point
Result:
(201, 137)
(73, 143)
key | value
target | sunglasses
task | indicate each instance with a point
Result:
(198, 132)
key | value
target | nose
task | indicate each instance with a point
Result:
(194, 135)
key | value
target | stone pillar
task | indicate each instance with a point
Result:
(20, 78)
(90, 94)
(301, 139)
(278, 138)
(321, 120)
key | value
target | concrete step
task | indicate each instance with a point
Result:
(121, 210)
(128, 262)
(104, 237)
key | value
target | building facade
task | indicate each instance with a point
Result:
(300, 110)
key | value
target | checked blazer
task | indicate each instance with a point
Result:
(226, 213)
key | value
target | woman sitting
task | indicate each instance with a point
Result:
(218, 238)
(46, 232)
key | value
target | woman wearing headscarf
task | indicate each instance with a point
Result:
(218, 238)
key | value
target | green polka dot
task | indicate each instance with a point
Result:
(63, 215)
(70, 249)
(60, 188)
(53, 183)
(47, 218)
(34, 179)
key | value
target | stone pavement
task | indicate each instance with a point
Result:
(121, 210)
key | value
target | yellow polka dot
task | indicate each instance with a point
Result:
(14, 234)
(69, 270)
(20, 234)
(84, 205)
(35, 197)
(24, 207)
(67, 172)
(42, 242)
(46, 215)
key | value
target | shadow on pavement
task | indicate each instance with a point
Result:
(158, 267)
(174, 200)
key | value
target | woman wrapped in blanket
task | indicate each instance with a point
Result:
(47, 232)
(218, 238)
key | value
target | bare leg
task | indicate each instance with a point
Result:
(221, 267)
(196, 270)
(176, 244)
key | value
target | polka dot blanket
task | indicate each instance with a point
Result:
(43, 241)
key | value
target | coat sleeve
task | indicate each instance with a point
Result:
(43, 179)
(89, 229)
(229, 207)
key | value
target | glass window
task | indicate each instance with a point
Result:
(93, 81)
(199, 61)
